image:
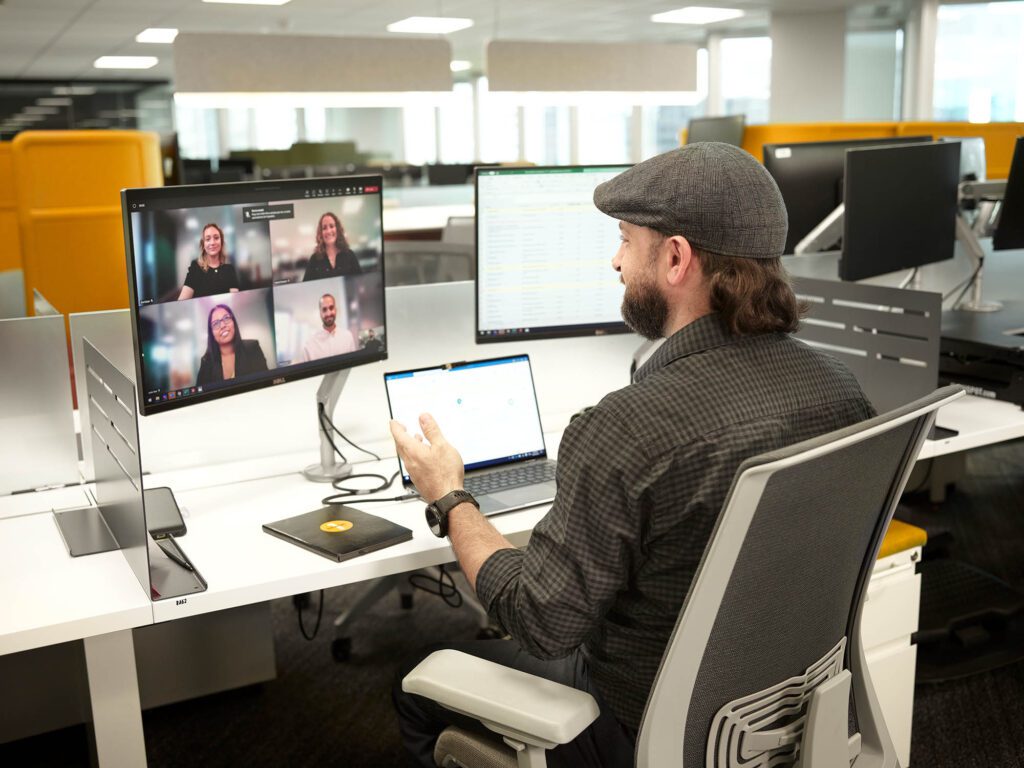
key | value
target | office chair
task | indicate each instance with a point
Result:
(459, 229)
(765, 666)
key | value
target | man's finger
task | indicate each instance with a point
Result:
(430, 429)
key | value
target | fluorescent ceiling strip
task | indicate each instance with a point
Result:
(125, 62)
(696, 14)
(429, 25)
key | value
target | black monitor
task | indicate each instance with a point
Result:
(276, 309)
(1009, 232)
(543, 254)
(810, 178)
(727, 129)
(901, 208)
(444, 174)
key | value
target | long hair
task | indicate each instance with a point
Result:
(202, 251)
(212, 347)
(341, 242)
(752, 295)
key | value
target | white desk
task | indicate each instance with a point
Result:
(49, 597)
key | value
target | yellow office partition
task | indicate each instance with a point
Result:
(999, 140)
(10, 242)
(68, 187)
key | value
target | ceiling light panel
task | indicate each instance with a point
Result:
(430, 25)
(248, 2)
(125, 62)
(696, 14)
(157, 35)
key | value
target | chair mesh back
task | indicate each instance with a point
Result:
(793, 592)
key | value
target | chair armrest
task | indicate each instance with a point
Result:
(510, 702)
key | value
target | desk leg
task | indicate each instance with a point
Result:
(114, 695)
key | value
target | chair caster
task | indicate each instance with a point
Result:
(341, 649)
(406, 602)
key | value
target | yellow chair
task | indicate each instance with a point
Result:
(10, 243)
(68, 200)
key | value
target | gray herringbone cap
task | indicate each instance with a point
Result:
(715, 195)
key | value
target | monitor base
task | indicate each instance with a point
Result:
(318, 473)
(980, 306)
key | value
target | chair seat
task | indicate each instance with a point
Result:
(900, 537)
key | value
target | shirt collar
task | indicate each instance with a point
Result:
(702, 334)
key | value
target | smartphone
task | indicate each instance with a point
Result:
(163, 518)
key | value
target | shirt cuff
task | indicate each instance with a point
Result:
(494, 575)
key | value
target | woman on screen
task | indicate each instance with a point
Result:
(227, 356)
(210, 273)
(332, 257)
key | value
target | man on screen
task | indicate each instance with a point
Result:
(329, 340)
(642, 476)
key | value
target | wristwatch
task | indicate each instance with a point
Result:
(437, 512)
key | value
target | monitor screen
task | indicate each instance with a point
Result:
(728, 129)
(901, 208)
(1009, 232)
(543, 254)
(810, 178)
(236, 287)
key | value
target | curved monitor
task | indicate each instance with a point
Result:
(235, 287)
(543, 254)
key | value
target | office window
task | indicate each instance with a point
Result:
(979, 72)
(746, 67)
(546, 130)
(874, 74)
(456, 118)
(662, 124)
(197, 131)
(499, 126)
(419, 129)
(604, 134)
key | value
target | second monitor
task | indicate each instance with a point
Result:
(544, 254)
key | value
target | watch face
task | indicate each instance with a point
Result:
(434, 521)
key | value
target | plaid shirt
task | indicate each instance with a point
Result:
(641, 480)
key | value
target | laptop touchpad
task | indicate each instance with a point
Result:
(519, 497)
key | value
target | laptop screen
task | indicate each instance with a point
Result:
(487, 409)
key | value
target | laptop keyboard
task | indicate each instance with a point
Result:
(513, 477)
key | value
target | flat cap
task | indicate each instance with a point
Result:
(715, 195)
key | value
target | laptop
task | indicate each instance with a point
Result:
(488, 410)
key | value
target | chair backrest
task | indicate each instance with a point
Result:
(774, 608)
(459, 229)
(418, 262)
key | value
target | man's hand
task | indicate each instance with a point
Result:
(436, 469)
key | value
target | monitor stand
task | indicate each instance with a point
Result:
(329, 468)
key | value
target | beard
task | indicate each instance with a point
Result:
(644, 309)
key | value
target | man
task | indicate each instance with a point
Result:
(372, 343)
(329, 340)
(642, 476)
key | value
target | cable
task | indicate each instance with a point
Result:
(443, 586)
(319, 616)
(352, 495)
(325, 417)
(322, 416)
(965, 285)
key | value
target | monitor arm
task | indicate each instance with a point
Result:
(329, 468)
(983, 196)
(825, 235)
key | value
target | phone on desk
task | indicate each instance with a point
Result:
(163, 518)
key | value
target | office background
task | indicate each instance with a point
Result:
(782, 61)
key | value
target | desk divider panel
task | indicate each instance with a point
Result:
(110, 332)
(888, 337)
(37, 447)
(118, 521)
